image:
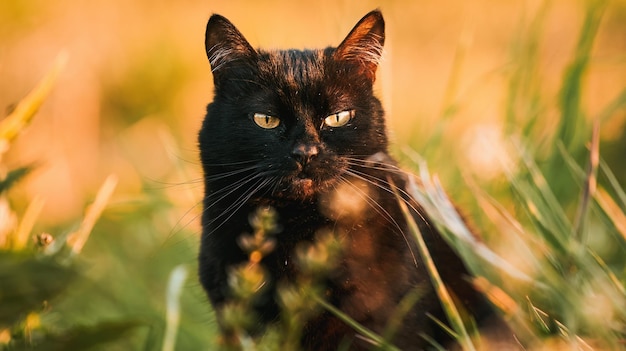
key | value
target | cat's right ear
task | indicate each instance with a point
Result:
(364, 44)
(225, 44)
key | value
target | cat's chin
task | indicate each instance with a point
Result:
(303, 189)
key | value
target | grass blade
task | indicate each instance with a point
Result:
(613, 211)
(437, 204)
(590, 185)
(174, 289)
(523, 97)
(78, 239)
(454, 317)
(354, 324)
(614, 106)
(26, 109)
(13, 177)
(405, 306)
(20, 238)
(570, 95)
(615, 185)
(546, 199)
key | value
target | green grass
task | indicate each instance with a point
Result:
(57, 293)
(554, 254)
(549, 251)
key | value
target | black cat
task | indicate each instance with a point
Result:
(295, 129)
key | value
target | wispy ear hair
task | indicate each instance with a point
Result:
(364, 43)
(224, 43)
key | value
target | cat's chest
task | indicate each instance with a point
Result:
(371, 233)
(350, 212)
(375, 264)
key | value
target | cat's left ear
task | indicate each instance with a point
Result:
(364, 44)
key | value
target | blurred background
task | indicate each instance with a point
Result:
(133, 94)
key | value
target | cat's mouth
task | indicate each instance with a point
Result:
(307, 181)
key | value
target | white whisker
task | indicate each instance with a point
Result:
(262, 183)
(218, 176)
(380, 210)
(228, 190)
(236, 205)
(178, 227)
(372, 179)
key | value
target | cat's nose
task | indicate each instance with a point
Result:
(303, 153)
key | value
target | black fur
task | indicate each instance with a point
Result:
(299, 166)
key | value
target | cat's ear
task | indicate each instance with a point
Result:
(224, 43)
(364, 44)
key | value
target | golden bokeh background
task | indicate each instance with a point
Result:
(132, 96)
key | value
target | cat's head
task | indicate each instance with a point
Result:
(291, 123)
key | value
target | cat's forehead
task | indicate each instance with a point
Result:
(294, 68)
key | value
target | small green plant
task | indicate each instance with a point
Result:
(300, 301)
(247, 281)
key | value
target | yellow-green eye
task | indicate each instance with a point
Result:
(265, 121)
(339, 119)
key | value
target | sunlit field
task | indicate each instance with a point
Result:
(513, 111)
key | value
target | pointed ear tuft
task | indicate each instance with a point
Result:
(364, 44)
(224, 43)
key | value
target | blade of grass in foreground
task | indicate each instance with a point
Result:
(617, 188)
(404, 307)
(618, 103)
(523, 99)
(509, 227)
(545, 197)
(22, 234)
(454, 317)
(11, 126)
(570, 95)
(595, 264)
(354, 324)
(613, 211)
(437, 204)
(606, 203)
(78, 239)
(13, 176)
(589, 188)
(174, 289)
